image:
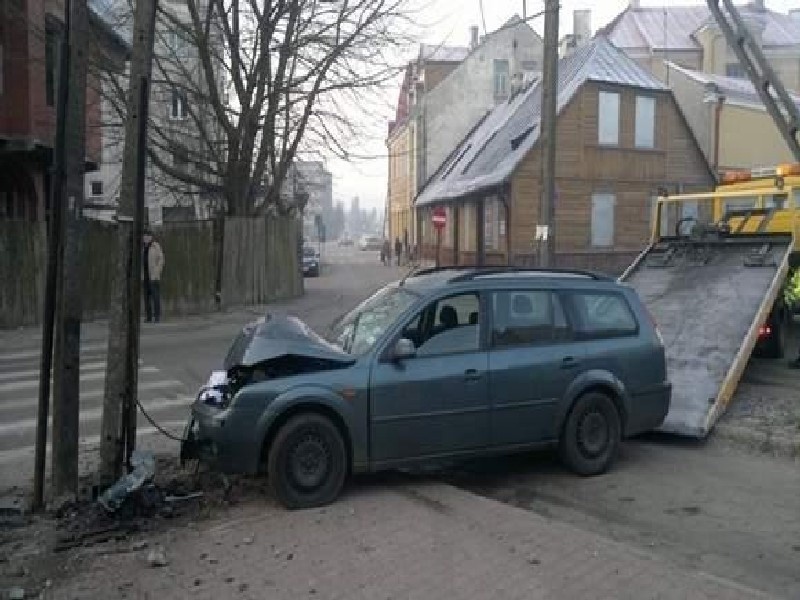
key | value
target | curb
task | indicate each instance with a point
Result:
(763, 441)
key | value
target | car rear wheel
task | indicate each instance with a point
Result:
(591, 435)
(307, 462)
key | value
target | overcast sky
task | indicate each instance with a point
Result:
(448, 22)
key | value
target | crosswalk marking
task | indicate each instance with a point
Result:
(147, 386)
(91, 441)
(85, 366)
(166, 399)
(94, 414)
(15, 386)
(34, 354)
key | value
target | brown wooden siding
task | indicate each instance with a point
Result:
(583, 167)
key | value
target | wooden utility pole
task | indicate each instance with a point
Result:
(54, 248)
(118, 426)
(546, 229)
(66, 371)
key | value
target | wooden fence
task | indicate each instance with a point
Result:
(260, 264)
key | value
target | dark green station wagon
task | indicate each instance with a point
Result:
(445, 364)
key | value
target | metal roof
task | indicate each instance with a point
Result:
(736, 90)
(673, 27)
(494, 148)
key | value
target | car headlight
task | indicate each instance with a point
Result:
(216, 391)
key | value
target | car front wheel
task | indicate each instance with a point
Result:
(591, 435)
(307, 462)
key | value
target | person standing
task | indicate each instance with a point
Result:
(152, 265)
(386, 253)
(406, 249)
(398, 249)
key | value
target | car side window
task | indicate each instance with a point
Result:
(448, 326)
(527, 317)
(601, 314)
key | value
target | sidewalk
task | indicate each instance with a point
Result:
(396, 540)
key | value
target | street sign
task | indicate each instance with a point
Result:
(439, 218)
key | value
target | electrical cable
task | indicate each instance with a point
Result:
(158, 427)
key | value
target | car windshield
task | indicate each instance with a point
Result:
(362, 327)
(309, 251)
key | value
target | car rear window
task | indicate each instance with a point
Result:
(601, 314)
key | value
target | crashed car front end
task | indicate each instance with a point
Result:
(226, 427)
(217, 435)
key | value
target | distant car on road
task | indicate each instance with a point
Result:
(370, 242)
(446, 364)
(311, 260)
(346, 240)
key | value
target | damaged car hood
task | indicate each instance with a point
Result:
(275, 336)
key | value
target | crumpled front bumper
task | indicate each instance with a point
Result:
(211, 437)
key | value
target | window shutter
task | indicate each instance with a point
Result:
(608, 118)
(645, 122)
(602, 234)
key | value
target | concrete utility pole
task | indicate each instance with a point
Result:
(66, 371)
(54, 241)
(118, 426)
(546, 229)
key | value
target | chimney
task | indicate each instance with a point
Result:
(582, 26)
(633, 4)
(473, 37)
(794, 14)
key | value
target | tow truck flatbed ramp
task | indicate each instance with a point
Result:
(709, 299)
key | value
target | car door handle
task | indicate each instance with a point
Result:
(569, 362)
(472, 375)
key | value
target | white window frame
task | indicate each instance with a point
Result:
(178, 111)
(608, 120)
(504, 81)
(645, 127)
(596, 237)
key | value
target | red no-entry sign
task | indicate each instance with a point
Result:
(439, 217)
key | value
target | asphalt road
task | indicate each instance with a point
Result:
(176, 357)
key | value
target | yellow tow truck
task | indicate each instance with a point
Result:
(713, 277)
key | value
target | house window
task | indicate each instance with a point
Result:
(608, 118)
(97, 188)
(645, 122)
(603, 219)
(735, 70)
(178, 108)
(501, 78)
(51, 61)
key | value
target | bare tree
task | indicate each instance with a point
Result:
(241, 88)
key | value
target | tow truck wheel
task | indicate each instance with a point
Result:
(591, 434)
(307, 462)
(777, 341)
(775, 345)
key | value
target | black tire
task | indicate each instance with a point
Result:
(591, 434)
(307, 462)
(775, 346)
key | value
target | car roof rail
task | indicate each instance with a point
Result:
(495, 270)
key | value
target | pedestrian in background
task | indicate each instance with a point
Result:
(398, 249)
(386, 253)
(152, 266)
(406, 249)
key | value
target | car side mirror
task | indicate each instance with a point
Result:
(403, 349)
